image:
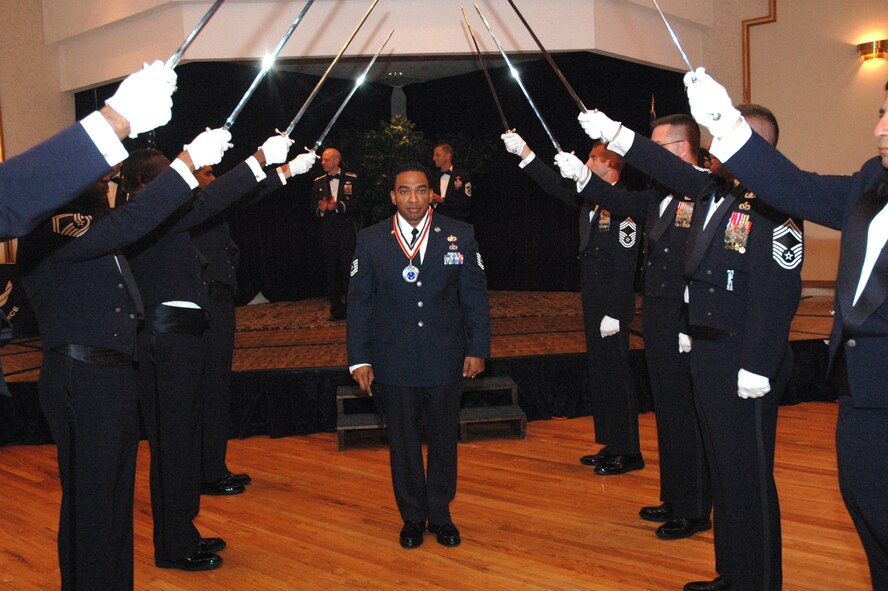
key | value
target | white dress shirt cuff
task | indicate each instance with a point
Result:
(256, 168)
(102, 134)
(524, 162)
(622, 141)
(184, 172)
(352, 368)
(731, 142)
(281, 175)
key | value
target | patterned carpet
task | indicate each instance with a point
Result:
(297, 335)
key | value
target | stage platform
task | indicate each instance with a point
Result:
(289, 359)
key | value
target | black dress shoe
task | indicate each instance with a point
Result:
(596, 458)
(659, 513)
(412, 534)
(221, 487)
(620, 464)
(192, 562)
(242, 479)
(716, 584)
(447, 534)
(682, 527)
(211, 545)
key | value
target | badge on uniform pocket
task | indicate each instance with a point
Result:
(453, 258)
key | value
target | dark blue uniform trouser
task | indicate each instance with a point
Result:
(217, 388)
(93, 415)
(862, 449)
(420, 496)
(684, 478)
(739, 436)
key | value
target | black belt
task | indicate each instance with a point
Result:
(95, 355)
(172, 319)
(221, 292)
(708, 333)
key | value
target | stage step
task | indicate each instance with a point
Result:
(511, 412)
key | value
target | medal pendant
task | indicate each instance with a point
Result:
(410, 274)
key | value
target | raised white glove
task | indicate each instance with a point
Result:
(752, 385)
(144, 98)
(302, 163)
(710, 103)
(514, 143)
(598, 126)
(208, 147)
(684, 343)
(572, 167)
(609, 326)
(275, 149)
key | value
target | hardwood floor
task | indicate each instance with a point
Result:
(531, 517)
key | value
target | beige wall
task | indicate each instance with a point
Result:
(32, 105)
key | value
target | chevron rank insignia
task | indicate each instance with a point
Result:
(72, 225)
(787, 245)
(627, 233)
(480, 262)
(354, 268)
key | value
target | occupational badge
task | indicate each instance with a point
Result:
(787, 245)
(451, 238)
(453, 247)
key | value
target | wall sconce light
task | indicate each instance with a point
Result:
(873, 50)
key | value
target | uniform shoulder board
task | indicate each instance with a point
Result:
(71, 224)
(351, 174)
(320, 177)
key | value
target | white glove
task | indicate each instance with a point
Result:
(710, 104)
(144, 97)
(752, 385)
(208, 147)
(514, 143)
(598, 126)
(684, 343)
(302, 163)
(609, 326)
(572, 167)
(275, 149)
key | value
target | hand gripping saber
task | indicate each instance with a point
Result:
(177, 57)
(551, 61)
(320, 83)
(496, 100)
(517, 77)
(358, 82)
(267, 63)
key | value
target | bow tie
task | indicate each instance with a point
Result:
(334, 176)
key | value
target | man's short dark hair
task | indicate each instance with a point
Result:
(686, 123)
(752, 110)
(409, 167)
(445, 146)
(141, 164)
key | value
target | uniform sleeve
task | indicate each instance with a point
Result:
(618, 200)
(46, 177)
(361, 296)
(473, 301)
(550, 182)
(775, 288)
(661, 164)
(218, 196)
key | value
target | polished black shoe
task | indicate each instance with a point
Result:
(447, 534)
(682, 527)
(192, 562)
(412, 534)
(596, 458)
(659, 513)
(716, 584)
(222, 487)
(242, 479)
(620, 464)
(211, 545)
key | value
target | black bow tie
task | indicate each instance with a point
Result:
(334, 176)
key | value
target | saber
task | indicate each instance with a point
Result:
(551, 61)
(267, 63)
(317, 87)
(517, 77)
(675, 40)
(176, 57)
(358, 83)
(496, 100)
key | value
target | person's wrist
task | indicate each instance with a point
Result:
(118, 122)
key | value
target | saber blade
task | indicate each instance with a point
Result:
(174, 59)
(496, 100)
(517, 77)
(267, 63)
(358, 82)
(320, 83)
(551, 61)
(675, 39)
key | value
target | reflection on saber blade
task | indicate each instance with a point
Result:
(675, 40)
(496, 100)
(176, 57)
(517, 77)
